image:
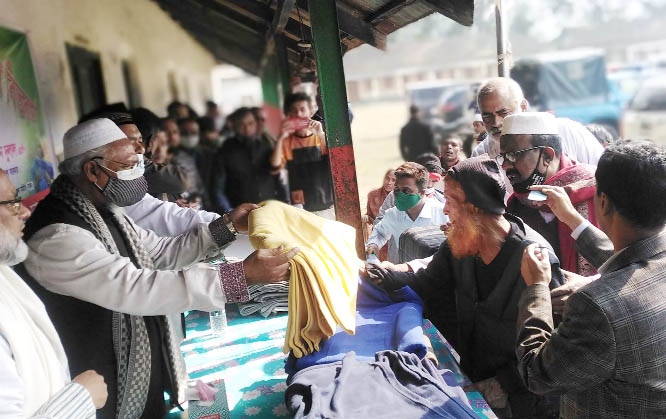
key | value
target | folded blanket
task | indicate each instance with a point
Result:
(383, 322)
(323, 280)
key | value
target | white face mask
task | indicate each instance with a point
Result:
(189, 141)
(429, 191)
(130, 174)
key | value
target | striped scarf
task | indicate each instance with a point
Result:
(130, 335)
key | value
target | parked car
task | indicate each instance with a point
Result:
(645, 115)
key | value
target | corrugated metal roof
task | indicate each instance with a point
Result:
(245, 32)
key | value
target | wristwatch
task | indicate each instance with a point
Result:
(230, 224)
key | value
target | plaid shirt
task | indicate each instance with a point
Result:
(608, 356)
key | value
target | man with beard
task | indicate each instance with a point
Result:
(34, 379)
(501, 96)
(531, 154)
(607, 358)
(244, 172)
(107, 283)
(477, 270)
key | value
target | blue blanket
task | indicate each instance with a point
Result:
(384, 321)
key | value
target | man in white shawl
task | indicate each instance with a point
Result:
(34, 377)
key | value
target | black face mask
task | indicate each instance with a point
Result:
(536, 178)
(125, 192)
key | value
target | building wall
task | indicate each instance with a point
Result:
(134, 30)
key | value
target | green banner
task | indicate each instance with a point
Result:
(24, 150)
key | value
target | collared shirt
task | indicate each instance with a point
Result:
(395, 222)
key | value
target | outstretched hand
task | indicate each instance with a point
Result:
(560, 295)
(535, 266)
(240, 214)
(268, 265)
(559, 203)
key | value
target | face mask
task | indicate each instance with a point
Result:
(189, 141)
(536, 178)
(128, 187)
(124, 192)
(429, 191)
(404, 201)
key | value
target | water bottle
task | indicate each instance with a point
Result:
(372, 259)
(218, 321)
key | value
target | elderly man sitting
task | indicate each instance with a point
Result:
(106, 282)
(477, 268)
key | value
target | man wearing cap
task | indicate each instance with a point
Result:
(501, 96)
(106, 282)
(478, 267)
(531, 154)
(411, 209)
(480, 132)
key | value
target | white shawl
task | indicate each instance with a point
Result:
(40, 358)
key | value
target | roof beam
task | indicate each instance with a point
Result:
(280, 19)
(461, 11)
(354, 25)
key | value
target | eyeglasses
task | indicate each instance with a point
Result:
(13, 204)
(131, 173)
(513, 156)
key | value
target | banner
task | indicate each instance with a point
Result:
(24, 150)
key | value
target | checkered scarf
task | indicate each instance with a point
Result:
(130, 335)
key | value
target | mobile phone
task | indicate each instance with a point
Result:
(299, 123)
(537, 196)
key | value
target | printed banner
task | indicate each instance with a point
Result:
(24, 150)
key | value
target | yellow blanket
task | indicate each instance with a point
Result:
(324, 273)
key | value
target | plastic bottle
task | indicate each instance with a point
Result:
(218, 321)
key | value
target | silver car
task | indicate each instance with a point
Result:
(645, 116)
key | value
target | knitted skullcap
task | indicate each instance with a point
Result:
(534, 123)
(483, 183)
(90, 135)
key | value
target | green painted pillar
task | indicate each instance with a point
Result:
(326, 37)
(272, 92)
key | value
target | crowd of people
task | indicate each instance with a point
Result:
(549, 284)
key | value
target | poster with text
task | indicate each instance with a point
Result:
(24, 149)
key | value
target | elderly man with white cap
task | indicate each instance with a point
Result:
(106, 283)
(531, 154)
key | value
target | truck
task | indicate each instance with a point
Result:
(572, 84)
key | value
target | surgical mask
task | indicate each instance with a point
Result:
(189, 141)
(405, 201)
(429, 191)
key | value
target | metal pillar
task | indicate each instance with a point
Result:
(502, 57)
(326, 36)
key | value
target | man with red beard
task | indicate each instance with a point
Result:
(478, 267)
(531, 154)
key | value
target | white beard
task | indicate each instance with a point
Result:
(12, 250)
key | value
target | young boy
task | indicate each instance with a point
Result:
(301, 147)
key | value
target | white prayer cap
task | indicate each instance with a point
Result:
(530, 123)
(477, 118)
(90, 135)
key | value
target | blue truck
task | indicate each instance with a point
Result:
(572, 84)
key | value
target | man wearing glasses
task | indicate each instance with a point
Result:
(107, 283)
(531, 154)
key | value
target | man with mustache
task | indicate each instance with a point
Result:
(531, 154)
(478, 267)
(501, 96)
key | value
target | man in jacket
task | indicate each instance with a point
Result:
(608, 355)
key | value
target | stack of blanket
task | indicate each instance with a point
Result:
(266, 299)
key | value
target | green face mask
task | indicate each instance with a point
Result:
(405, 201)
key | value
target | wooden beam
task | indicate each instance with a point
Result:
(353, 24)
(388, 10)
(280, 19)
(461, 11)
